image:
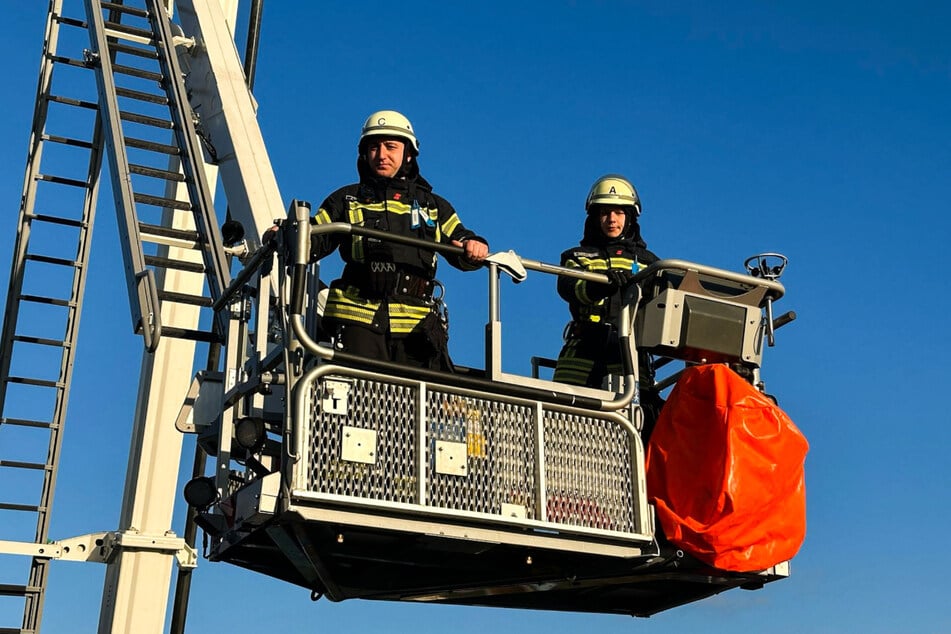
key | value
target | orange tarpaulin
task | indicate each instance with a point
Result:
(725, 471)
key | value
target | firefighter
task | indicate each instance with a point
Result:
(611, 245)
(383, 306)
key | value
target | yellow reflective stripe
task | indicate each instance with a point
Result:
(434, 216)
(622, 263)
(403, 327)
(408, 310)
(397, 207)
(450, 225)
(573, 371)
(580, 286)
(343, 306)
(355, 214)
(593, 264)
(322, 217)
(405, 317)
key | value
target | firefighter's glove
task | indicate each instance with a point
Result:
(618, 279)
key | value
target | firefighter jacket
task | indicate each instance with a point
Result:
(591, 349)
(386, 286)
(591, 302)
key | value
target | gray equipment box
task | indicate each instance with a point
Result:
(698, 318)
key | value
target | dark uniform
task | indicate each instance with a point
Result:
(382, 306)
(591, 349)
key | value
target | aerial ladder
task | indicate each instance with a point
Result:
(348, 477)
(110, 90)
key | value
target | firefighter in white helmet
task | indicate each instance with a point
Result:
(382, 306)
(611, 245)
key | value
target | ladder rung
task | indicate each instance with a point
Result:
(60, 180)
(22, 422)
(191, 335)
(130, 30)
(14, 464)
(51, 260)
(137, 72)
(157, 173)
(19, 507)
(142, 96)
(69, 222)
(57, 343)
(152, 146)
(62, 19)
(39, 299)
(179, 265)
(23, 380)
(158, 201)
(168, 232)
(69, 101)
(67, 141)
(12, 590)
(121, 8)
(122, 47)
(182, 298)
(155, 122)
(68, 61)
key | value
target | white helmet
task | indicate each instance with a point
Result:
(389, 123)
(613, 189)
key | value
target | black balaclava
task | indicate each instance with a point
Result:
(594, 236)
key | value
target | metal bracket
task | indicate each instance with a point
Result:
(113, 543)
(509, 262)
(336, 395)
(202, 404)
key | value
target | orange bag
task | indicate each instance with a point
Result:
(725, 471)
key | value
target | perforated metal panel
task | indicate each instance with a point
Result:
(588, 472)
(474, 453)
(500, 447)
(389, 410)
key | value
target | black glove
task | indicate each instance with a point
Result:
(619, 278)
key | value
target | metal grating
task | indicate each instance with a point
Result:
(385, 408)
(590, 479)
(588, 473)
(499, 439)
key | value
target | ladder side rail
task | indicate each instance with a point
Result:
(39, 566)
(140, 282)
(192, 164)
(28, 197)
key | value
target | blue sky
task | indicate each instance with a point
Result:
(819, 130)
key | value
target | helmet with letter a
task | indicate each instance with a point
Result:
(392, 124)
(613, 190)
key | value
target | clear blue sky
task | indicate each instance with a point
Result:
(820, 130)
